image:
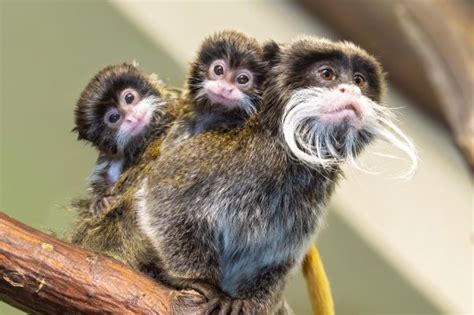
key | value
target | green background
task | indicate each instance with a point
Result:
(48, 53)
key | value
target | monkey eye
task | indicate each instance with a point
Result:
(327, 74)
(129, 98)
(359, 80)
(217, 69)
(244, 79)
(112, 117)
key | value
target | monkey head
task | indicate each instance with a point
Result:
(324, 98)
(227, 73)
(116, 108)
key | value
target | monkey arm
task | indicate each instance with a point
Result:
(100, 185)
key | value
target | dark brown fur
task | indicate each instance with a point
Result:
(101, 94)
(238, 50)
(231, 210)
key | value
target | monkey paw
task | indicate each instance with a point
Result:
(228, 306)
(219, 303)
(99, 205)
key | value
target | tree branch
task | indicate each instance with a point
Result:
(41, 274)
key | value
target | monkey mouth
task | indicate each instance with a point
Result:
(138, 125)
(346, 113)
(216, 98)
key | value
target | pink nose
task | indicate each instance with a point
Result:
(225, 89)
(349, 88)
(132, 119)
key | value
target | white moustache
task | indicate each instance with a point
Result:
(312, 140)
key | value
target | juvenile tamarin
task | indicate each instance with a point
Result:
(237, 210)
(223, 90)
(118, 111)
(224, 85)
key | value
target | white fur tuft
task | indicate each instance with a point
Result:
(313, 141)
(153, 105)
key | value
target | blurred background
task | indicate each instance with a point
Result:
(389, 246)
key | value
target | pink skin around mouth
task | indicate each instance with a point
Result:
(221, 99)
(349, 112)
(138, 125)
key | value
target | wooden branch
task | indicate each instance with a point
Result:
(41, 274)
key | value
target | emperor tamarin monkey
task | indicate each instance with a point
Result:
(223, 90)
(237, 210)
(117, 112)
(224, 85)
(121, 106)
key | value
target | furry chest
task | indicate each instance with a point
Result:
(247, 249)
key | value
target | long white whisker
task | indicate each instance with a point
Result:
(317, 143)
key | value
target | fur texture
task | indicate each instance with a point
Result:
(240, 51)
(118, 149)
(237, 209)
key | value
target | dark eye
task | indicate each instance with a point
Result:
(359, 80)
(327, 74)
(243, 79)
(112, 117)
(129, 98)
(218, 70)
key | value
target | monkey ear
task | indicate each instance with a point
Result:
(271, 52)
(76, 130)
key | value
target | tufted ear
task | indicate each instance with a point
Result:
(271, 52)
(79, 136)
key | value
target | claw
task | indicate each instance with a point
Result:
(212, 306)
(206, 290)
(236, 307)
(99, 205)
(225, 308)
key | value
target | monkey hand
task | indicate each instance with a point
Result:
(100, 204)
(219, 303)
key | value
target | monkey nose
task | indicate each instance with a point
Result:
(225, 89)
(349, 88)
(131, 119)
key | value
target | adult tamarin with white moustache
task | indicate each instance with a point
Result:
(118, 112)
(224, 89)
(236, 211)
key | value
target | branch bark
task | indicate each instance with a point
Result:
(41, 274)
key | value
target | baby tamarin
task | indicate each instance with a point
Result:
(118, 111)
(237, 210)
(121, 106)
(223, 90)
(224, 85)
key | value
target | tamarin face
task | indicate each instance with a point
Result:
(117, 106)
(331, 93)
(228, 73)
